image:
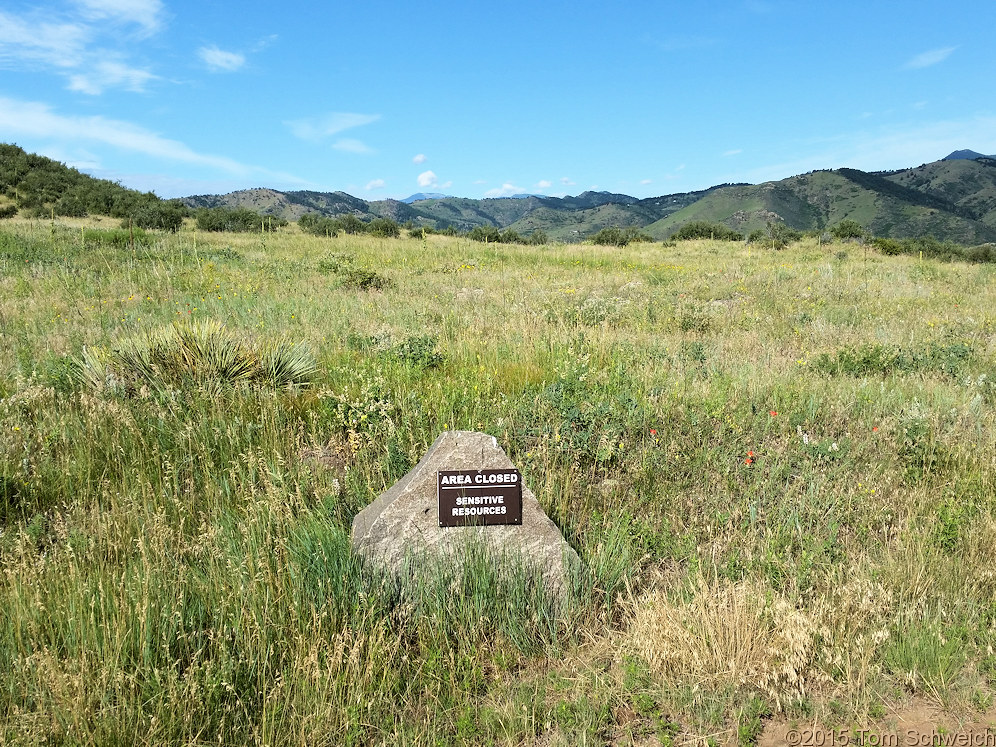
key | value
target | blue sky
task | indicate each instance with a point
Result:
(384, 99)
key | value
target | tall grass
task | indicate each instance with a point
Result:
(776, 459)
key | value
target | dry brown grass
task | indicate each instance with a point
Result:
(725, 636)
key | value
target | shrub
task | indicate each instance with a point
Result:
(485, 234)
(342, 266)
(613, 236)
(8, 211)
(159, 215)
(887, 246)
(847, 230)
(349, 223)
(928, 246)
(419, 351)
(775, 235)
(610, 236)
(236, 220)
(384, 227)
(701, 229)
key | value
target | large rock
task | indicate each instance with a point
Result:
(403, 522)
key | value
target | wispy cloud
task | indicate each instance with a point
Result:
(34, 41)
(420, 159)
(145, 13)
(318, 128)
(506, 190)
(645, 182)
(884, 148)
(221, 61)
(567, 181)
(930, 57)
(38, 120)
(543, 184)
(110, 74)
(82, 43)
(352, 145)
(375, 184)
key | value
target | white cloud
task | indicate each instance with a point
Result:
(734, 152)
(220, 61)
(566, 181)
(506, 190)
(265, 42)
(544, 184)
(928, 58)
(351, 145)
(59, 45)
(420, 158)
(38, 120)
(375, 184)
(65, 43)
(317, 128)
(145, 13)
(885, 148)
(428, 179)
(645, 182)
(109, 74)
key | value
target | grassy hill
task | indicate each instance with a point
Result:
(949, 199)
(953, 200)
(33, 185)
(970, 185)
(776, 467)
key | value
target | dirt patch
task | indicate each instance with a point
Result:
(919, 724)
(331, 456)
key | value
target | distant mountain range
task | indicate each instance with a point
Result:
(951, 199)
(424, 196)
(970, 155)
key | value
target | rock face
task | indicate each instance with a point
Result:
(403, 522)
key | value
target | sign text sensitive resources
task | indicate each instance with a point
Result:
(476, 497)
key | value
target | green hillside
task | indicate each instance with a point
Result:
(948, 200)
(969, 185)
(33, 185)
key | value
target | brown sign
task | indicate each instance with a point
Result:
(476, 497)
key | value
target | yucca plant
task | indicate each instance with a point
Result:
(198, 353)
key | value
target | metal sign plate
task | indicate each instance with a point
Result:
(479, 497)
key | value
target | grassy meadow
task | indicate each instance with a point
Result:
(778, 469)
